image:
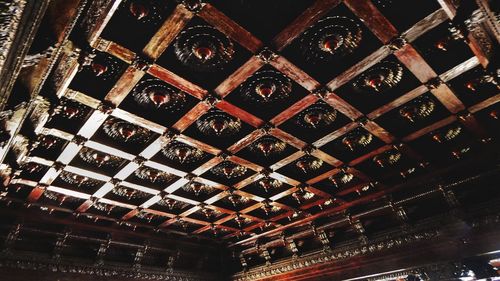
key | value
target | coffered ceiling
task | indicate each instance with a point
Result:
(240, 122)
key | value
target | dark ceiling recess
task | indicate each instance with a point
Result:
(256, 140)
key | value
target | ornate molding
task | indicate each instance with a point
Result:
(62, 266)
(97, 9)
(337, 254)
(10, 18)
(427, 230)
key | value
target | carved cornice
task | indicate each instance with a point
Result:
(10, 18)
(335, 255)
(63, 266)
(427, 230)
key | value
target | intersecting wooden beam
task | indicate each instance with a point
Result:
(246, 141)
(167, 32)
(191, 116)
(240, 113)
(177, 81)
(125, 84)
(381, 133)
(295, 73)
(102, 20)
(342, 207)
(227, 26)
(115, 49)
(294, 110)
(424, 25)
(310, 16)
(239, 76)
(343, 106)
(373, 19)
(371, 60)
(443, 122)
(419, 67)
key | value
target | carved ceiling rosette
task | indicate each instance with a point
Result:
(316, 116)
(203, 48)
(380, 78)
(99, 159)
(266, 86)
(153, 175)
(417, 109)
(331, 38)
(218, 123)
(268, 146)
(155, 94)
(182, 153)
(125, 132)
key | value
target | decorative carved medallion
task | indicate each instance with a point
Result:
(153, 175)
(308, 164)
(446, 135)
(266, 86)
(229, 170)
(341, 178)
(268, 183)
(357, 139)
(99, 159)
(129, 193)
(182, 153)
(154, 93)
(417, 109)
(197, 188)
(78, 180)
(388, 158)
(330, 38)
(125, 131)
(203, 48)
(268, 146)
(380, 78)
(316, 116)
(218, 123)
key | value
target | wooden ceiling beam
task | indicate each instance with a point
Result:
(484, 104)
(296, 74)
(115, 50)
(336, 134)
(233, 30)
(237, 112)
(373, 19)
(288, 138)
(177, 81)
(340, 208)
(246, 141)
(309, 17)
(172, 26)
(358, 68)
(342, 106)
(293, 110)
(381, 133)
(239, 76)
(100, 23)
(426, 24)
(191, 116)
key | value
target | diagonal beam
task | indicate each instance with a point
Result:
(310, 16)
(227, 26)
(167, 32)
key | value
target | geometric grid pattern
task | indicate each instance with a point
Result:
(249, 218)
